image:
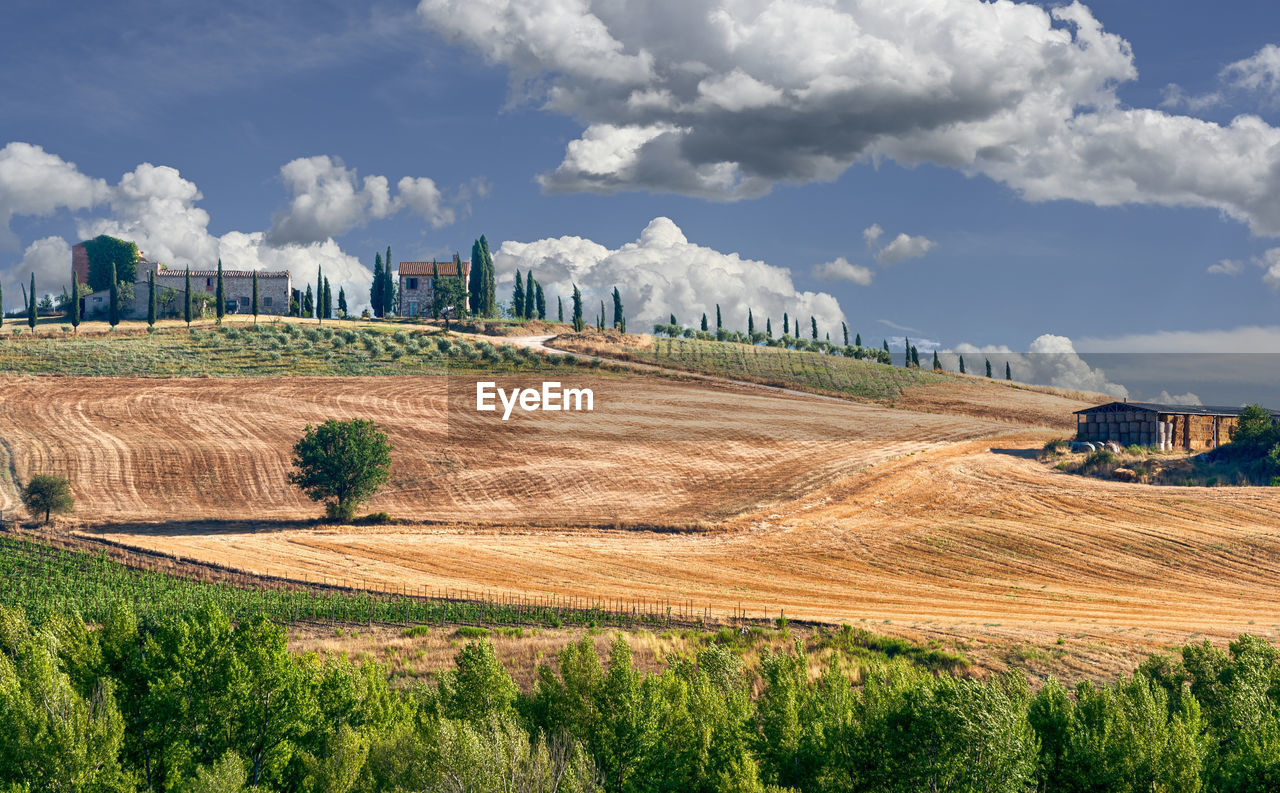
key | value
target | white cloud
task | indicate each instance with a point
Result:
(155, 207)
(1226, 267)
(1165, 398)
(1245, 339)
(904, 247)
(716, 99)
(329, 199)
(896, 326)
(35, 182)
(1050, 360)
(662, 273)
(842, 269)
(1258, 74)
(49, 259)
(1270, 263)
(1174, 97)
(872, 234)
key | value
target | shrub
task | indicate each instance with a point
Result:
(374, 519)
(472, 632)
(1056, 446)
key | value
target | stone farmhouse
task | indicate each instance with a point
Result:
(1168, 427)
(275, 288)
(416, 295)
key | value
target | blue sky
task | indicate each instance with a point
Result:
(482, 98)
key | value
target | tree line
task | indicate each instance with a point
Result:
(196, 703)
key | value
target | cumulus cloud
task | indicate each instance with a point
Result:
(872, 234)
(715, 99)
(842, 270)
(662, 273)
(1270, 264)
(35, 182)
(903, 247)
(49, 259)
(330, 199)
(1050, 360)
(1259, 74)
(1226, 267)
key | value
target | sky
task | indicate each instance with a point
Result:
(996, 178)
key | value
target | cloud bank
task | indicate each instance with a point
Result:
(157, 208)
(715, 98)
(662, 273)
(1050, 360)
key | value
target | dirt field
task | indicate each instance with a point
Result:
(927, 525)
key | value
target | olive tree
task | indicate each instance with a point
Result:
(47, 493)
(342, 463)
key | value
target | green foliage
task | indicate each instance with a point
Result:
(46, 494)
(342, 463)
(105, 251)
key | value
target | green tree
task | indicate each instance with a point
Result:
(46, 493)
(475, 280)
(845, 328)
(328, 300)
(480, 686)
(768, 327)
(73, 309)
(988, 367)
(151, 298)
(1255, 427)
(885, 344)
(915, 357)
(937, 365)
(389, 285)
(31, 304)
(1008, 373)
(559, 309)
(751, 322)
(578, 324)
(103, 251)
(530, 303)
(73, 280)
(375, 291)
(857, 341)
(962, 364)
(619, 319)
(342, 463)
(113, 300)
(490, 293)
(813, 324)
(220, 296)
(906, 352)
(517, 297)
(308, 303)
(600, 326)
(320, 293)
(255, 297)
(449, 296)
(342, 301)
(719, 321)
(704, 321)
(186, 303)
(786, 324)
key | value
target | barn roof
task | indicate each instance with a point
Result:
(425, 268)
(1164, 407)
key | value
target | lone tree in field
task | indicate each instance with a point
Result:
(342, 463)
(962, 364)
(47, 493)
(988, 367)
(1008, 373)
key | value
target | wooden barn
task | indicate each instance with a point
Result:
(1168, 427)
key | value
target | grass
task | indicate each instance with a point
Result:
(809, 371)
(268, 349)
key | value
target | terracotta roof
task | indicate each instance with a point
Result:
(424, 268)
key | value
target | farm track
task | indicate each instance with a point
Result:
(930, 525)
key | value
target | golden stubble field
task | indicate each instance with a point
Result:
(934, 525)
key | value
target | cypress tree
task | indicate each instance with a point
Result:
(601, 326)
(75, 303)
(389, 285)
(719, 322)
(786, 324)
(857, 341)
(113, 304)
(814, 324)
(475, 280)
(619, 320)
(559, 308)
(435, 284)
(220, 295)
(530, 287)
(988, 367)
(255, 297)
(308, 303)
(31, 302)
(704, 320)
(673, 320)
(328, 300)
(342, 301)
(845, 328)
(578, 324)
(517, 297)
(937, 365)
(906, 351)
(186, 303)
(73, 283)
(151, 297)
(915, 357)
(320, 292)
(375, 291)
(540, 302)
(962, 364)
(1008, 373)
(751, 322)
(768, 327)
(886, 344)
(490, 295)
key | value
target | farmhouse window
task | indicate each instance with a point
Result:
(412, 283)
(208, 282)
(244, 302)
(413, 308)
(266, 301)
